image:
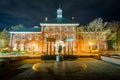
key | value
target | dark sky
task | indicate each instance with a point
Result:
(32, 12)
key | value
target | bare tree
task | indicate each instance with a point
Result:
(115, 30)
(17, 27)
(94, 31)
(4, 39)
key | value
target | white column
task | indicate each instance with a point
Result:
(15, 46)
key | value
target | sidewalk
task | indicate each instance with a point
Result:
(111, 60)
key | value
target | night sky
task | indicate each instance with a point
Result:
(32, 12)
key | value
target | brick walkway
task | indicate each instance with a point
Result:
(81, 69)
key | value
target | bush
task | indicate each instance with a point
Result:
(2, 62)
(18, 52)
(4, 50)
(65, 57)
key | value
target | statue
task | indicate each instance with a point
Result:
(59, 49)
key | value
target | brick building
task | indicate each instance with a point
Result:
(49, 36)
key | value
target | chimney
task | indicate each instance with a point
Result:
(46, 19)
(73, 18)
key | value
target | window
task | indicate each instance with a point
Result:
(59, 29)
(46, 29)
(73, 36)
(72, 29)
(30, 37)
(97, 38)
(22, 46)
(15, 46)
(16, 37)
(97, 45)
(22, 37)
(53, 29)
(104, 37)
(53, 35)
(105, 46)
(66, 35)
(66, 29)
(37, 37)
(46, 36)
(59, 37)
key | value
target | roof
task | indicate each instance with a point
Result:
(33, 29)
(60, 20)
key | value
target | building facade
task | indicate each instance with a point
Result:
(49, 36)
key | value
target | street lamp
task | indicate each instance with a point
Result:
(90, 46)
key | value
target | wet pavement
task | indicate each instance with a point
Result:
(80, 69)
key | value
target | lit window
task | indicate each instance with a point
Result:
(104, 37)
(59, 29)
(15, 46)
(22, 47)
(53, 29)
(66, 35)
(16, 37)
(46, 36)
(97, 37)
(73, 36)
(66, 29)
(46, 29)
(53, 35)
(105, 46)
(30, 37)
(37, 37)
(59, 37)
(22, 37)
(72, 29)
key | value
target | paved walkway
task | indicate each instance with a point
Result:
(81, 69)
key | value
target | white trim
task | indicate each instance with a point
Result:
(60, 24)
(25, 32)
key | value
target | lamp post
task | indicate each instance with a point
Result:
(90, 46)
(33, 48)
(59, 45)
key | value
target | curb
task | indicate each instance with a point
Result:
(111, 60)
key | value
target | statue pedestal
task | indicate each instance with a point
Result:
(59, 58)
